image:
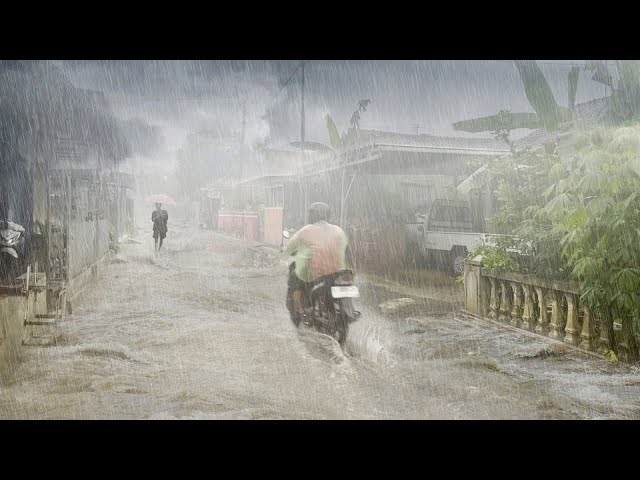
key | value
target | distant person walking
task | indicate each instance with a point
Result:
(159, 218)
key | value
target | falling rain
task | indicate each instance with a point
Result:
(307, 239)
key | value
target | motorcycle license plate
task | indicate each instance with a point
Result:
(345, 292)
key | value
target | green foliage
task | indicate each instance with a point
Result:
(495, 258)
(625, 100)
(334, 135)
(355, 117)
(579, 214)
(335, 138)
(548, 113)
(574, 76)
(540, 95)
(525, 183)
(600, 211)
(503, 120)
(623, 103)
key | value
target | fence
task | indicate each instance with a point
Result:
(549, 308)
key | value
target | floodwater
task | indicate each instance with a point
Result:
(201, 332)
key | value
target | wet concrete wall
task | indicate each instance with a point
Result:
(88, 242)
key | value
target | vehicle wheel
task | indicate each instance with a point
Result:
(457, 261)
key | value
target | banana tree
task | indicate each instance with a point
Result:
(338, 141)
(625, 96)
(335, 138)
(548, 113)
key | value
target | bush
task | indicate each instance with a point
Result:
(495, 258)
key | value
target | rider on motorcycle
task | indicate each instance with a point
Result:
(320, 249)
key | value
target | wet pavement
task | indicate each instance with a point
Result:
(201, 332)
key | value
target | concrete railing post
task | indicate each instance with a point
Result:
(476, 293)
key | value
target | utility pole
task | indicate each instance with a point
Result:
(244, 115)
(302, 110)
(241, 149)
(304, 182)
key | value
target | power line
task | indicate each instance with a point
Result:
(289, 79)
(571, 64)
(275, 97)
(186, 99)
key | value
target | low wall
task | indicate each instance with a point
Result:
(12, 309)
(88, 242)
(273, 226)
(240, 224)
(548, 308)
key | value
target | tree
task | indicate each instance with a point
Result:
(548, 113)
(39, 106)
(625, 97)
(335, 138)
(580, 214)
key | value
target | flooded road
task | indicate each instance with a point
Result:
(201, 332)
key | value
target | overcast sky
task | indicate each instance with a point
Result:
(406, 96)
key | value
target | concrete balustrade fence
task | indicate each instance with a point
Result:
(548, 308)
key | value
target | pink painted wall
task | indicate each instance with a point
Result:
(242, 224)
(273, 225)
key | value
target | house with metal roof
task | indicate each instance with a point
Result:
(60, 182)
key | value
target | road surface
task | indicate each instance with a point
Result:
(201, 332)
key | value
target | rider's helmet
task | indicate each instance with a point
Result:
(319, 211)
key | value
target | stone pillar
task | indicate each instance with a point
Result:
(527, 311)
(542, 326)
(587, 329)
(494, 303)
(476, 291)
(516, 312)
(505, 303)
(572, 328)
(555, 327)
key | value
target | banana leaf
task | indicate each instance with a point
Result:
(600, 72)
(540, 95)
(334, 135)
(626, 99)
(502, 120)
(574, 76)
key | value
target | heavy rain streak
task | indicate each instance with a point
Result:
(308, 239)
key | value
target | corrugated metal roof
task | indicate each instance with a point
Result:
(375, 137)
(590, 113)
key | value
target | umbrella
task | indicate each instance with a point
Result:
(161, 198)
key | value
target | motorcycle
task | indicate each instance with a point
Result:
(327, 302)
(11, 248)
